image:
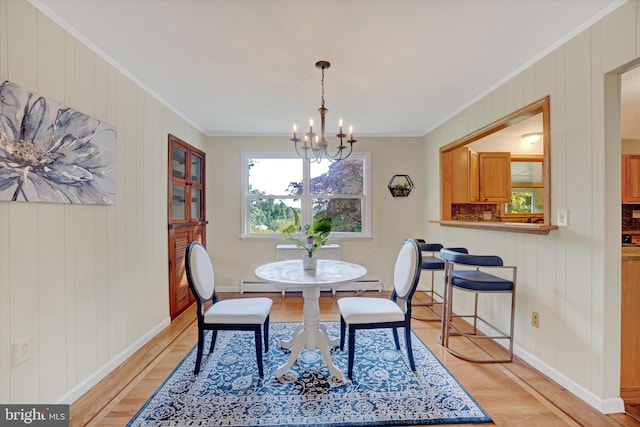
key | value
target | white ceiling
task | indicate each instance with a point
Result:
(246, 67)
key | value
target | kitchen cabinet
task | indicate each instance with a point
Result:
(630, 333)
(483, 177)
(464, 177)
(494, 177)
(631, 178)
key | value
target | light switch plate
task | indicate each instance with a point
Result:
(635, 214)
(486, 215)
(563, 217)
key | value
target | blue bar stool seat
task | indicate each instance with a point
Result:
(468, 273)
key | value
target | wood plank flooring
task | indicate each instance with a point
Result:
(514, 394)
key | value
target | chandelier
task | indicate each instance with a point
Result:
(314, 147)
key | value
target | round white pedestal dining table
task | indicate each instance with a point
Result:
(310, 334)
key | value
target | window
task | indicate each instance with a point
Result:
(273, 183)
(527, 187)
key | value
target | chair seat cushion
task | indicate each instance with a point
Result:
(357, 310)
(249, 311)
(432, 263)
(480, 281)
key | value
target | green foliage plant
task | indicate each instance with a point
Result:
(308, 237)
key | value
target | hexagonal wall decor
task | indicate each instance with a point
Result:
(400, 185)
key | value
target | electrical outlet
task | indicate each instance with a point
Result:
(635, 214)
(21, 351)
(486, 215)
(563, 217)
(535, 319)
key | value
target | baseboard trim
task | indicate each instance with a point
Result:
(612, 405)
(88, 383)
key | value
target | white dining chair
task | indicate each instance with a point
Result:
(239, 314)
(376, 313)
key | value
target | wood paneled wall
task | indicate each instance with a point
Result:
(88, 284)
(571, 276)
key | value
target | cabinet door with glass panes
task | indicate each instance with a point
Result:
(187, 216)
(186, 182)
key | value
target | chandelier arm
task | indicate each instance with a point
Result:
(339, 155)
(295, 146)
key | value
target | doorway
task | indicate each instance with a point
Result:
(630, 237)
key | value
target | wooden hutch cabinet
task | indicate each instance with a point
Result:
(186, 216)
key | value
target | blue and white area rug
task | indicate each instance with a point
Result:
(384, 391)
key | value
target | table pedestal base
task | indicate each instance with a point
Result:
(310, 335)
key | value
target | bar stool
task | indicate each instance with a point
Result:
(478, 281)
(429, 263)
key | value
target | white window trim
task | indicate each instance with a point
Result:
(306, 198)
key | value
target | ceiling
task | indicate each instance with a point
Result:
(398, 68)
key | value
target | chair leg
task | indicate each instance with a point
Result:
(446, 317)
(513, 315)
(214, 335)
(200, 350)
(475, 315)
(259, 351)
(395, 338)
(352, 350)
(407, 337)
(266, 335)
(343, 327)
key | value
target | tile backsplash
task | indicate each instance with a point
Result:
(474, 212)
(628, 222)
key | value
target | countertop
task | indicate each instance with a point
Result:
(518, 227)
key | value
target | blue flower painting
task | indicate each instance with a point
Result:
(51, 153)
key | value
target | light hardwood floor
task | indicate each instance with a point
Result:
(514, 394)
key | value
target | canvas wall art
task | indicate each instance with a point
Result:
(51, 153)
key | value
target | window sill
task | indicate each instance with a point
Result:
(336, 237)
(515, 227)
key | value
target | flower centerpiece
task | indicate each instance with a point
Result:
(308, 237)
